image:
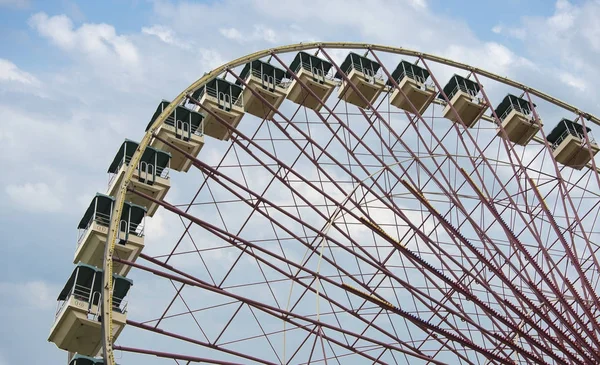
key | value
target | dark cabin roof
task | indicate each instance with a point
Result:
(150, 153)
(137, 213)
(263, 68)
(181, 112)
(303, 59)
(104, 204)
(85, 360)
(86, 274)
(220, 85)
(515, 100)
(357, 62)
(564, 125)
(121, 287)
(454, 81)
(405, 67)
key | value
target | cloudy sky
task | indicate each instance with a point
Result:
(76, 78)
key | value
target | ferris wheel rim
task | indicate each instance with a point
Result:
(112, 237)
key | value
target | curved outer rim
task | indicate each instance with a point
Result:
(120, 198)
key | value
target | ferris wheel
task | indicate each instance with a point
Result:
(345, 204)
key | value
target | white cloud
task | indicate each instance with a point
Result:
(566, 44)
(47, 138)
(264, 33)
(20, 4)
(573, 81)
(564, 17)
(36, 294)
(34, 197)
(260, 33)
(514, 32)
(59, 29)
(166, 35)
(211, 58)
(9, 72)
(490, 56)
(518, 33)
(93, 40)
(419, 4)
(156, 227)
(232, 33)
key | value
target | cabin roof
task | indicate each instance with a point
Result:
(182, 113)
(307, 58)
(563, 126)
(85, 360)
(86, 274)
(264, 68)
(455, 80)
(103, 204)
(405, 67)
(358, 62)
(219, 85)
(150, 153)
(509, 100)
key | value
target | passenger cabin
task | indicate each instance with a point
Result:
(79, 359)
(77, 325)
(462, 95)
(151, 176)
(184, 129)
(313, 72)
(517, 119)
(569, 144)
(412, 87)
(93, 232)
(363, 73)
(266, 80)
(225, 100)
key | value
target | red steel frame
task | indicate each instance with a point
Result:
(560, 328)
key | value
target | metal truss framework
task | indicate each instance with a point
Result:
(424, 241)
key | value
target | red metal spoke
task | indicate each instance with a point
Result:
(281, 314)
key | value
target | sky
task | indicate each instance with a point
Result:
(77, 77)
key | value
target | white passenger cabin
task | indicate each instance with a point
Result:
(184, 128)
(364, 74)
(413, 88)
(77, 325)
(517, 119)
(151, 175)
(267, 81)
(93, 232)
(463, 94)
(225, 100)
(315, 74)
(569, 144)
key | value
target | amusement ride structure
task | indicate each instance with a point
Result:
(345, 204)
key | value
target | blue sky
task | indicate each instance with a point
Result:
(77, 77)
